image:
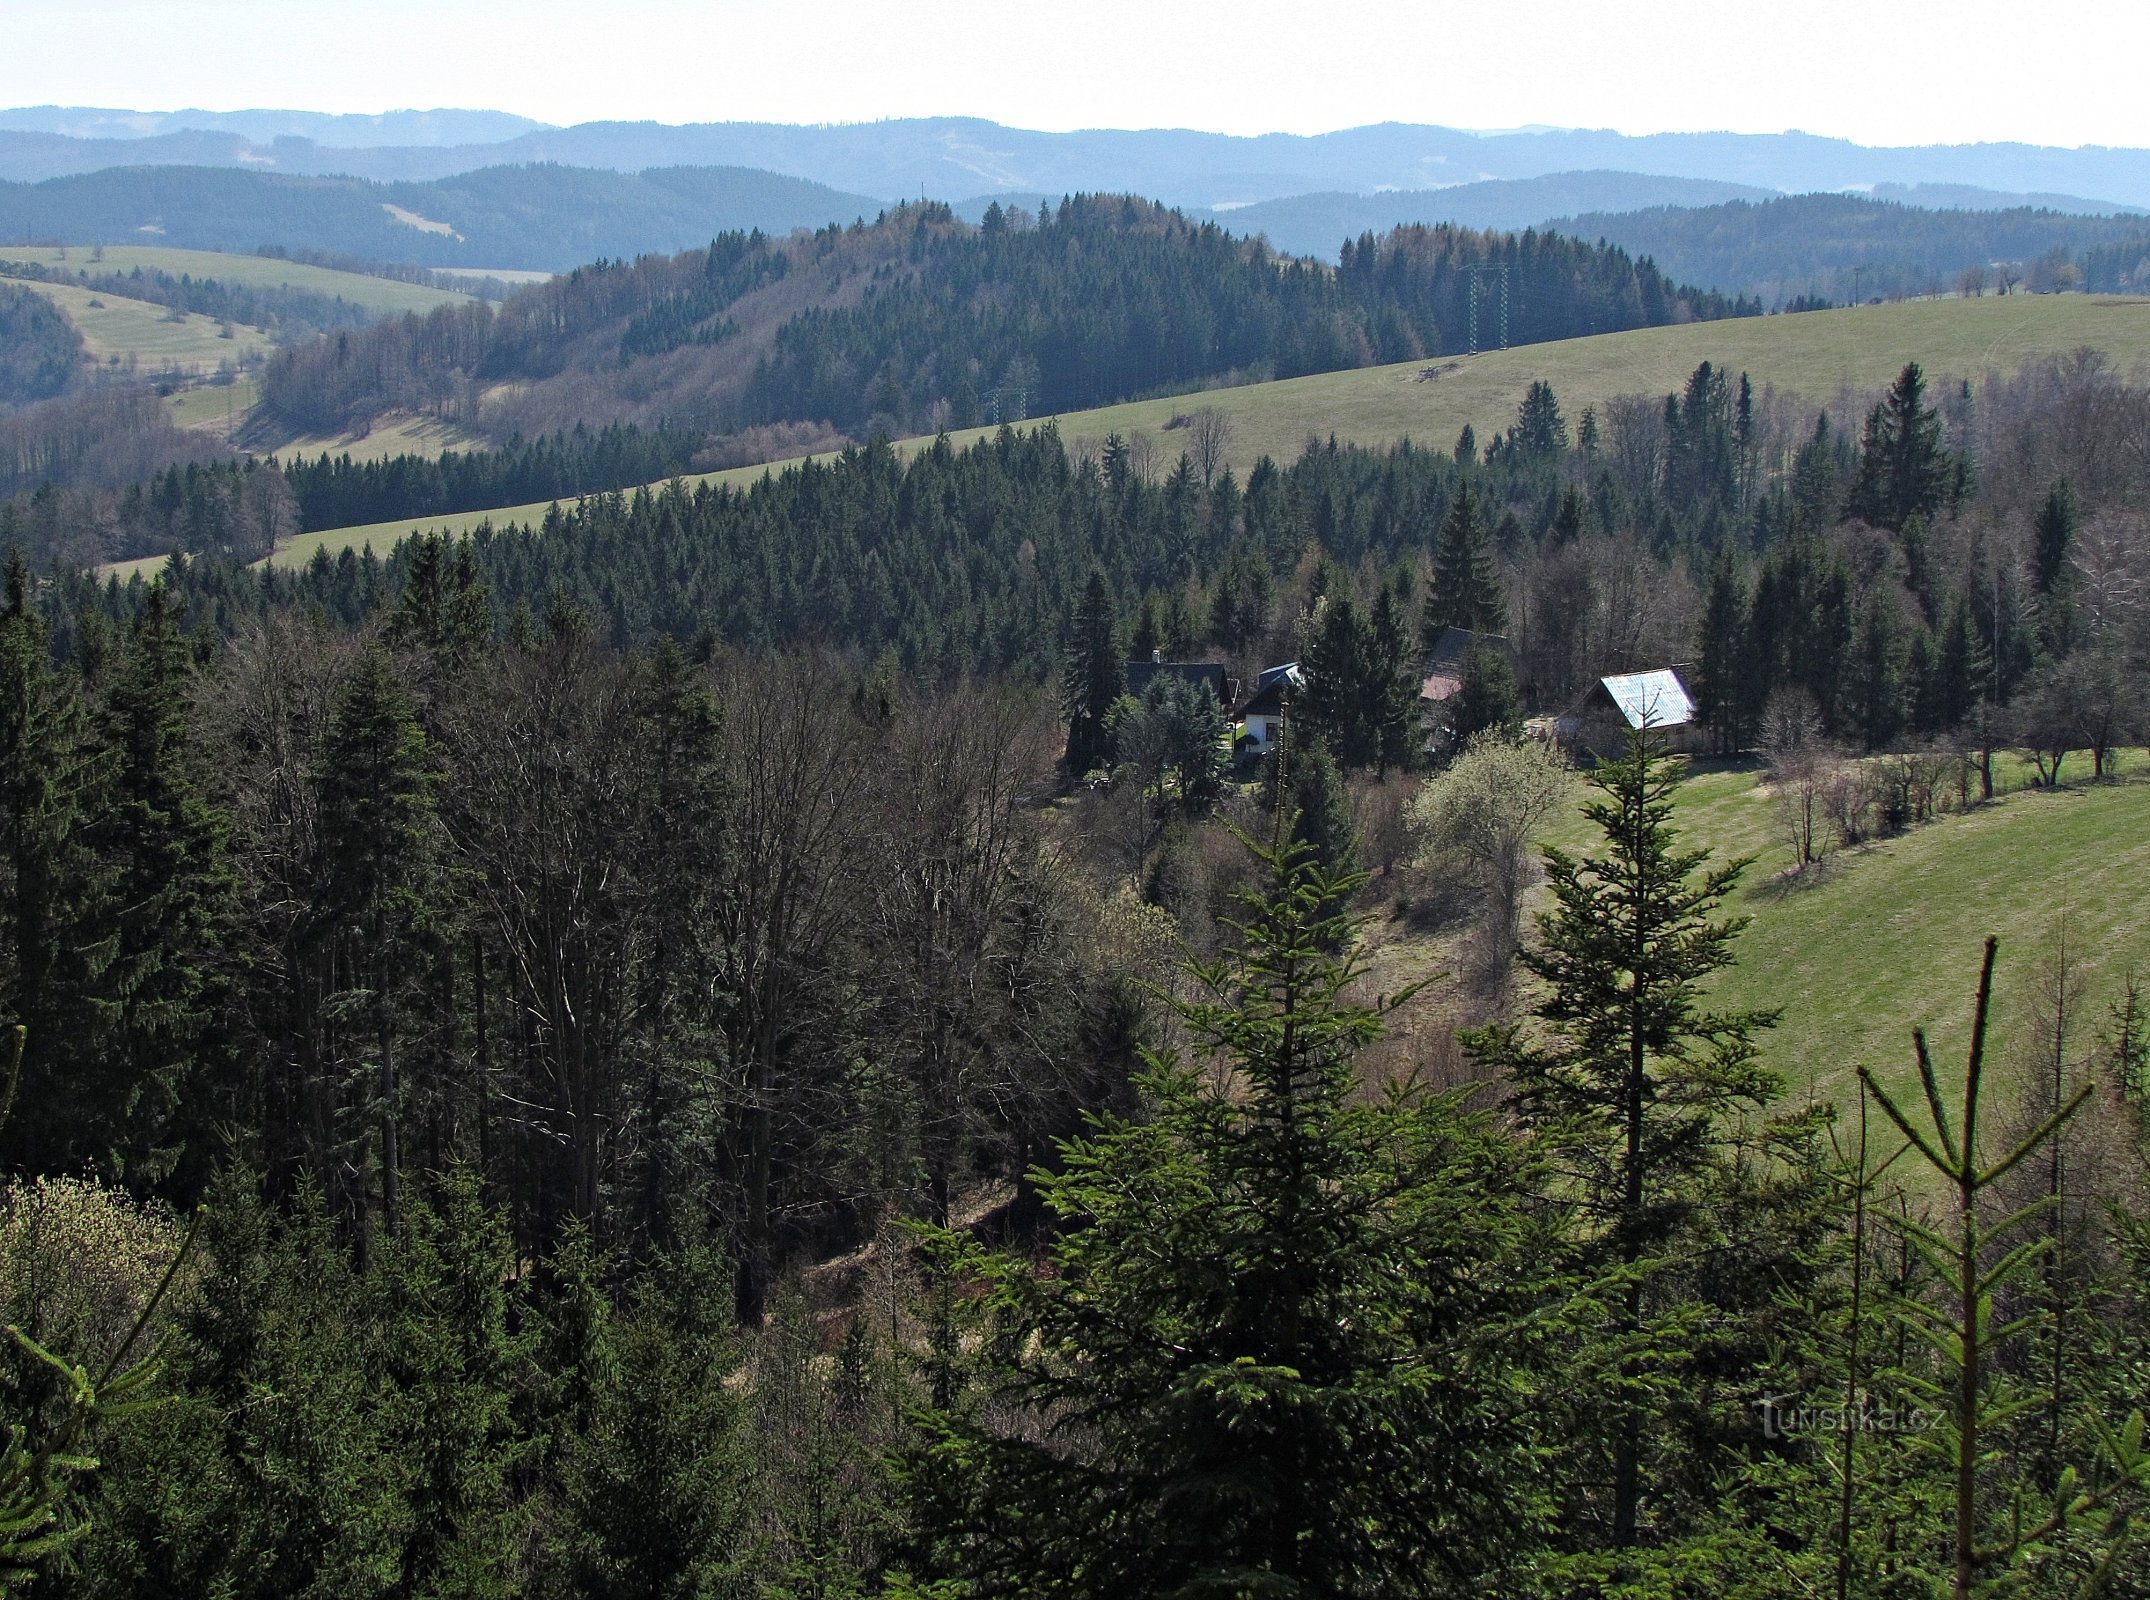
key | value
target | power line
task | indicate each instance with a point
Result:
(1476, 274)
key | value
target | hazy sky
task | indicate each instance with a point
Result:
(1878, 72)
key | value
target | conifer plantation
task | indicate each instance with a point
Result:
(777, 1042)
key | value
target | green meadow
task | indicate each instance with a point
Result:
(116, 330)
(1815, 356)
(261, 272)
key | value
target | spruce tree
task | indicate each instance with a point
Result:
(172, 975)
(1875, 692)
(1273, 1350)
(1487, 700)
(1633, 1085)
(1393, 681)
(60, 932)
(1340, 702)
(1466, 589)
(1721, 653)
(1903, 470)
(1541, 433)
(376, 836)
(2052, 538)
(1093, 678)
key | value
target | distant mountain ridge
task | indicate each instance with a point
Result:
(445, 126)
(531, 217)
(967, 155)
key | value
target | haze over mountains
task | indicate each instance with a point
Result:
(953, 157)
(491, 190)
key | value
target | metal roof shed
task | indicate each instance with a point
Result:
(1656, 698)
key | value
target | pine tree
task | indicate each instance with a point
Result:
(1272, 1315)
(1093, 678)
(1631, 1083)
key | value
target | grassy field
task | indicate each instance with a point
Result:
(395, 434)
(1814, 356)
(1887, 936)
(376, 294)
(116, 330)
(219, 408)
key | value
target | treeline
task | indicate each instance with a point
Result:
(1842, 248)
(1644, 536)
(484, 288)
(239, 508)
(103, 439)
(287, 312)
(341, 493)
(41, 354)
(219, 508)
(1096, 300)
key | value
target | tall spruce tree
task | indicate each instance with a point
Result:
(1632, 1086)
(171, 979)
(1093, 679)
(1903, 470)
(1721, 655)
(1466, 588)
(2052, 540)
(1275, 1350)
(1393, 680)
(1340, 702)
(376, 829)
(59, 935)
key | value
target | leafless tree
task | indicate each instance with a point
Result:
(554, 817)
(795, 753)
(962, 920)
(1635, 443)
(1209, 441)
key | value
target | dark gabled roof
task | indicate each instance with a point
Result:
(1456, 644)
(1270, 689)
(1141, 674)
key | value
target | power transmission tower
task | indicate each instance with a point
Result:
(1477, 276)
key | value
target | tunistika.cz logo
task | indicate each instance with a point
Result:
(1784, 1415)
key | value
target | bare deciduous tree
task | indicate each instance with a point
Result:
(1209, 441)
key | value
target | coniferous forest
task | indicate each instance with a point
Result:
(713, 1047)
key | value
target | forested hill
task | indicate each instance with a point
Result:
(1814, 244)
(541, 217)
(920, 321)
